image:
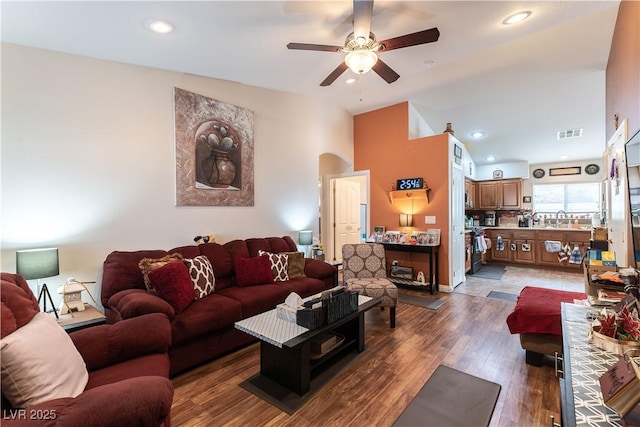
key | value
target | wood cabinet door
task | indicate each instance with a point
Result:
(521, 254)
(503, 255)
(487, 195)
(544, 257)
(510, 194)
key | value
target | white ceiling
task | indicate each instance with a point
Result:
(519, 84)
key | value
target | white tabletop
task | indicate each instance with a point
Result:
(269, 327)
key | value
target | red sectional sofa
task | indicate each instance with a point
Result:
(204, 330)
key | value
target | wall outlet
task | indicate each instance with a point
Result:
(430, 219)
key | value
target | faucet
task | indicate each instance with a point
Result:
(558, 215)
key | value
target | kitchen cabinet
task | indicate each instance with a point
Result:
(573, 238)
(504, 194)
(525, 247)
(495, 254)
(470, 194)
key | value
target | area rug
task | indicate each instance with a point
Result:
(425, 302)
(502, 295)
(490, 271)
(451, 398)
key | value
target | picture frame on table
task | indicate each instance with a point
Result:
(422, 238)
(433, 237)
(391, 237)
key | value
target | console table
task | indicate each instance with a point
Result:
(425, 249)
(583, 363)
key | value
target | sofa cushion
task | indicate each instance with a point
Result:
(202, 276)
(18, 303)
(255, 245)
(304, 286)
(40, 363)
(253, 271)
(148, 264)
(220, 259)
(238, 249)
(257, 299)
(121, 272)
(155, 364)
(279, 265)
(295, 267)
(173, 284)
(213, 313)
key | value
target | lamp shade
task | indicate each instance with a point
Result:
(37, 263)
(406, 220)
(305, 237)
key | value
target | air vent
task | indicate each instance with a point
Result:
(570, 133)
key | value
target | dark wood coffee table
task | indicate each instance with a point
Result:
(285, 350)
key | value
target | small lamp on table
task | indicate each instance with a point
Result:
(305, 238)
(39, 264)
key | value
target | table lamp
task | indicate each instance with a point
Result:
(406, 220)
(305, 238)
(38, 264)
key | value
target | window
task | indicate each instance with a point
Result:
(577, 198)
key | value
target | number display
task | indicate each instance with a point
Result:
(409, 184)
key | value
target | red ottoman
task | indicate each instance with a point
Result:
(536, 317)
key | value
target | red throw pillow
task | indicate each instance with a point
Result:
(253, 271)
(173, 284)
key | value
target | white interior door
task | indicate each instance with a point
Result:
(456, 248)
(346, 214)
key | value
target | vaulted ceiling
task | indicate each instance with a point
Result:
(518, 84)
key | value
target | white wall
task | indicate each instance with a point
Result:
(88, 161)
(518, 169)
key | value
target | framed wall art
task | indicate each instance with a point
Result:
(576, 170)
(214, 152)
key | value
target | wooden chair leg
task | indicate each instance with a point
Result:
(392, 316)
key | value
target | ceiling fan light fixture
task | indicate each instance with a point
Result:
(361, 61)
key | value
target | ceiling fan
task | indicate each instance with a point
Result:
(362, 48)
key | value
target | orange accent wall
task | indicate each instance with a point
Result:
(382, 145)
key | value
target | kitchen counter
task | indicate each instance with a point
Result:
(585, 228)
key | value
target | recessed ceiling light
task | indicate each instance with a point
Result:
(430, 63)
(517, 17)
(159, 26)
(477, 134)
(350, 81)
(491, 159)
(564, 157)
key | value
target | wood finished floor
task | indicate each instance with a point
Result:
(468, 333)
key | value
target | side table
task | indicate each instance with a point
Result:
(82, 319)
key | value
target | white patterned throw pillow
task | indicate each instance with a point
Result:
(201, 272)
(279, 265)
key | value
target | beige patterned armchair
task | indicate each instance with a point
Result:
(365, 271)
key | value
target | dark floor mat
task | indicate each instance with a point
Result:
(490, 271)
(502, 295)
(451, 398)
(425, 302)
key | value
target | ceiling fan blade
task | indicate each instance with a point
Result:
(413, 39)
(310, 46)
(384, 71)
(334, 74)
(362, 13)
